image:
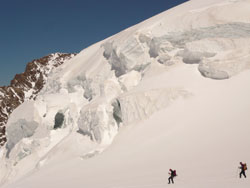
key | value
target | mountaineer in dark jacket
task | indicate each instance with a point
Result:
(243, 167)
(172, 174)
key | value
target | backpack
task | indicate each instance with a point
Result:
(174, 173)
(245, 166)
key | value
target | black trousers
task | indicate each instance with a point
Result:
(243, 173)
(171, 178)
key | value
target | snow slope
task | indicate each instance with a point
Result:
(170, 92)
(203, 138)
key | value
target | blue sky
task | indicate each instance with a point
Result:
(31, 29)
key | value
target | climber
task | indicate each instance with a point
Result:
(172, 174)
(243, 167)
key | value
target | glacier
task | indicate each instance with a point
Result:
(165, 86)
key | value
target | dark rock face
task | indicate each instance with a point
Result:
(26, 86)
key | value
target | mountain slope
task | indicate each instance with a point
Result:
(170, 92)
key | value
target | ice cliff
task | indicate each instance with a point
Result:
(26, 86)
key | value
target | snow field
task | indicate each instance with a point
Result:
(192, 135)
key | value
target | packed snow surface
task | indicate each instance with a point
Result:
(170, 92)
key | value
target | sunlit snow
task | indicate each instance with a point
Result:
(170, 92)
